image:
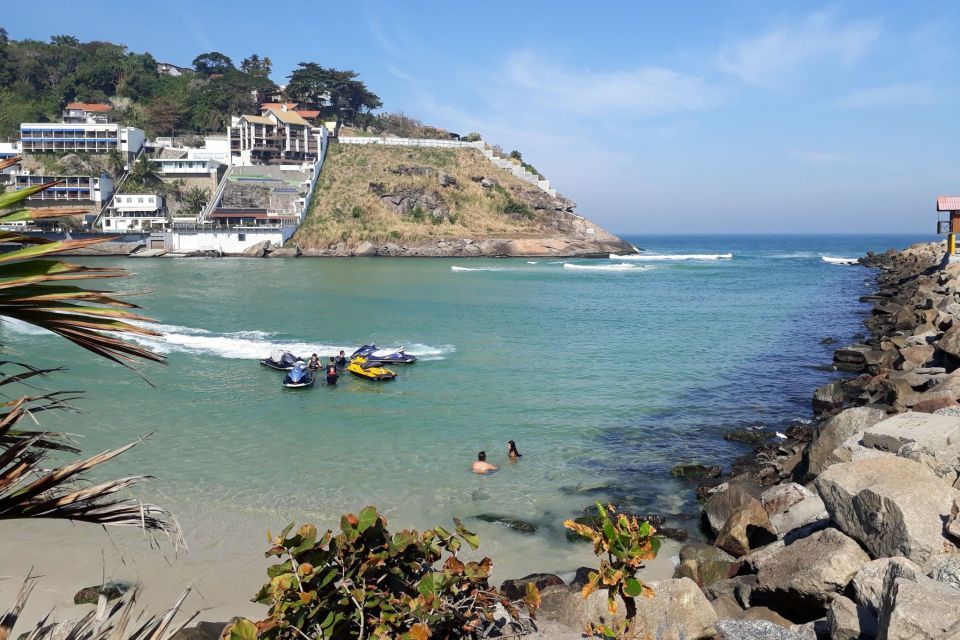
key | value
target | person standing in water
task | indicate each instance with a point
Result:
(512, 452)
(332, 373)
(341, 360)
(481, 465)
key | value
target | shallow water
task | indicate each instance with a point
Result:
(606, 373)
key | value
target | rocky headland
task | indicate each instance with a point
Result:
(848, 528)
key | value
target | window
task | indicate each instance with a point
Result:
(241, 237)
(107, 223)
(139, 200)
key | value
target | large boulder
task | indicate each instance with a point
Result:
(756, 630)
(727, 500)
(945, 568)
(919, 609)
(867, 585)
(678, 610)
(927, 430)
(950, 342)
(747, 528)
(801, 519)
(828, 398)
(917, 356)
(800, 581)
(705, 564)
(847, 621)
(891, 505)
(836, 430)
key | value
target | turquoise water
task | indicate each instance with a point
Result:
(605, 376)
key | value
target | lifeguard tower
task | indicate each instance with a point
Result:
(951, 226)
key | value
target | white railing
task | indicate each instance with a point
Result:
(412, 142)
(217, 195)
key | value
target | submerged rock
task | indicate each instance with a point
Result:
(516, 589)
(91, 595)
(695, 471)
(509, 522)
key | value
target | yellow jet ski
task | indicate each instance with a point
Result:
(361, 368)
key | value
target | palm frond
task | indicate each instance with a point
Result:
(119, 622)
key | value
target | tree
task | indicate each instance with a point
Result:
(195, 199)
(212, 62)
(165, 114)
(318, 87)
(255, 65)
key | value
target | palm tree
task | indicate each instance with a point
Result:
(195, 199)
(35, 291)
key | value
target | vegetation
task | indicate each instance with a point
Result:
(626, 543)
(352, 204)
(365, 582)
(403, 126)
(38, 78)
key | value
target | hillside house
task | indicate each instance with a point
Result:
(88, 113)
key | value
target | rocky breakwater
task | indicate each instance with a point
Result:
(849, 528)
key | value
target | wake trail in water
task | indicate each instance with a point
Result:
(672, 256)
(240, 345)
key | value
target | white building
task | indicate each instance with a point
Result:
(184, 166)
(228, 241)
(72, 189)
(278, 136)
(168, 69)
(135, 212)
(88, 113)
(40, 137)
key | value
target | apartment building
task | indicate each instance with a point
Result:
(43, 137)
(135, 212)
(87, 113)
(81, 190)
(277, 136)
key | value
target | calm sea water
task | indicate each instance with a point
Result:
(606, 374)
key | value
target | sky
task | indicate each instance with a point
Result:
(697, 117)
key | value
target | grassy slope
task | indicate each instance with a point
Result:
(346, 210)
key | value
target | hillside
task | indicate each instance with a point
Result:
(416, 201)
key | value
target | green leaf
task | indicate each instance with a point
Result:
(633, 587)
(7, 200)
(243, 629)
(280, 569)
(367, 518)
(428, 585)
(468, 536)
(645, 529)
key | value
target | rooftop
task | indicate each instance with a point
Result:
(89, 106)
(278, 105)
(948, 203)
(257, 119)
(289, 117)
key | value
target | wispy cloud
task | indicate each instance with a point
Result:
(638, 92)
(397, 72)
(908, 94)
(823, 157)
(768, 58)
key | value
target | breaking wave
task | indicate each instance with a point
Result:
(832, 260)
(623, 266)
(456, 268)
(241, 345)
(674, 256)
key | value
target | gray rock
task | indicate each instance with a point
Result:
(365, 249)
(758, 558)
(679, 610)
(756, 630)
(920, 610)
(945, 568)
(928, 430)
(726, 606)
(707, 564)
(258, 250)
(91, 595)
(763, 613)
(738, 588)
(838, 429)
(446, 180)
(802, 579)
(202, 631)
(748, 527)
(892, 506)
(847, 621)
(867, 585)
(829, 397)
(516, 589)
(801, 519)
(781, 497)
(950, 342)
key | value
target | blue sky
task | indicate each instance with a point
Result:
(699, 116)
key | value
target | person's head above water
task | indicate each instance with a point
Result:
(482, 456)
(341, 351)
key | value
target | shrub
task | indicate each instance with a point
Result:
(473, 136)
(356, 212)
(627, 543)
(366, 582)
(515, 207)
(418, 213)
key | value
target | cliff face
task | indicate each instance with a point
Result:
(415, 201)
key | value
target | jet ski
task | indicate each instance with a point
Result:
(280, 360)
(385, 356)
(362, 368)
(298, 377)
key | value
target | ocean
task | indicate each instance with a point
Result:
(606, 373)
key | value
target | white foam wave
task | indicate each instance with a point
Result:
(833, 260)
(532, 262)
(794, 256)
(623, 266)
(245, 345)
(671, 256)
(456, 268)
(25, 328)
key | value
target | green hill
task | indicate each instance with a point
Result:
(386, 200)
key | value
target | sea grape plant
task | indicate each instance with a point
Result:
(365, 582)
(627, 543)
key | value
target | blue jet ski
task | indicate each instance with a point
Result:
(298, 377)
(383, 356)
(280, 360)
